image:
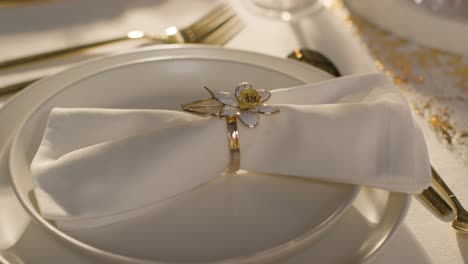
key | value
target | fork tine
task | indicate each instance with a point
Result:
(210, 16)
(197, 34)
(213, 27)
(225, 32)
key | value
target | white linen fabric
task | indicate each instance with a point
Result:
(356, 130)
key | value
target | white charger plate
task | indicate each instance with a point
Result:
(371, 221)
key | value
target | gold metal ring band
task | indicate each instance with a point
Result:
(233, 133)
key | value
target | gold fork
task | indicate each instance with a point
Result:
(216, 27)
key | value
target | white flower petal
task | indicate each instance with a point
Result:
(226, 98)
(249, 118)
(265, 95)
(229, 110)
(267, 109)
(242, 86)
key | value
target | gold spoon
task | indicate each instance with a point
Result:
(315, 59)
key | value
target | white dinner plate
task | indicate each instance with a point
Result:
(252, 218)
(372, 220)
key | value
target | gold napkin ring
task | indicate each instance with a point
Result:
(246, 103)
(234, 146)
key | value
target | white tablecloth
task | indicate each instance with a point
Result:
(423, 238)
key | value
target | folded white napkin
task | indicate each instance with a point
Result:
(108, 163)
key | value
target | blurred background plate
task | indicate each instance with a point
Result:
(439, 29)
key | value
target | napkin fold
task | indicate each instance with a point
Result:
(107, 163)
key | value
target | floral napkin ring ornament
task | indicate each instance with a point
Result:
(246, 103)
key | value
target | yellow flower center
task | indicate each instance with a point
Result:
(249, 98)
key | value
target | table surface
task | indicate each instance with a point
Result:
(423, 238)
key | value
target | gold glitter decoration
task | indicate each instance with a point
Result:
(442, 126)
(435, 81)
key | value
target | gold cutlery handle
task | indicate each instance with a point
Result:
(443, 186)
(438, 180)
(433, 199)
(18, 86)
(60, 52)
